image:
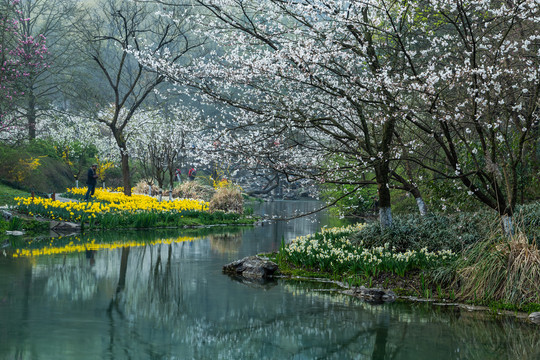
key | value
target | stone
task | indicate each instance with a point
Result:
(535, 317)
(15, 232)
(252, 267)
(64, 226)
(6, 215)
(373, 294)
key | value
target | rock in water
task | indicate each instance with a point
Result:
(372, 294)
(253, 267)
(535, 317)
(7, 215)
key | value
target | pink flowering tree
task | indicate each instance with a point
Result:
(20, 56)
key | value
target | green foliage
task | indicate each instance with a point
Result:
(527, 218)
(444, 195)
(8, 194)
(29, 226)
(15, 223)
(453, 232)
(76, 155)
(42, 147)
(34, 166)
(359, 203)
(32, 226)
(156, 219)
(435, 232)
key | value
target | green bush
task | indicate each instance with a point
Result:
(15, 223)
(359, 203)
(436, 232)
(447, 232)
(34, 167)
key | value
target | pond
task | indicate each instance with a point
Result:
(162, 295)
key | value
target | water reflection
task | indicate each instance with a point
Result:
(169, 300)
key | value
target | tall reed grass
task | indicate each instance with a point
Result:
(500, 269)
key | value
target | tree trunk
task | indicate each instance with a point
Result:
(31, 115)
(507, 225)
(126, 177)
(385, 209)
(422, 207)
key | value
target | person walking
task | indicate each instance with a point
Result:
(91, 182)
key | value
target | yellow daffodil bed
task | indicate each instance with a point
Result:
(110, 209)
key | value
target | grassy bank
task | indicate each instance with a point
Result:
(456, 258)
(8, 195)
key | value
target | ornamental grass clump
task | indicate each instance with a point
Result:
(500, 269)
(193, 190)
(142, 188)
(228, 199)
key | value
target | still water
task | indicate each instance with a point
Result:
(164, 297)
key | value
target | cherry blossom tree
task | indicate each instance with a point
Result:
(350, 88)
(318, 78)
(478, 96)
(161, 139)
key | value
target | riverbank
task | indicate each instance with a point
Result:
(533, 317)
(486, 269)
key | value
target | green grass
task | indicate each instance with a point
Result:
(7, 194)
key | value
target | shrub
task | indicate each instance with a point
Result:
(227, 199)
(435, 232)
(193, 190)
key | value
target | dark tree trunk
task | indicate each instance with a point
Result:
(126, 176)
(383, 190)
(31, 115)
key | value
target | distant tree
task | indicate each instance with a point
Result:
(160, 140)
(112, 33)
(43, 85)
(20, 55)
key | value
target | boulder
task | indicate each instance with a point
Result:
(373, 294)
(251, 267)
(535, 317)
(6, 215)
(64, 226)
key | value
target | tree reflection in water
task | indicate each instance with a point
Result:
(170, 300)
